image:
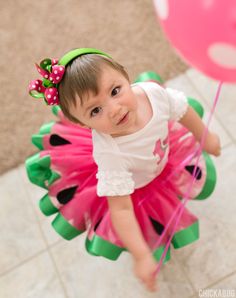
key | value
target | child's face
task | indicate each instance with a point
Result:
(113, 110)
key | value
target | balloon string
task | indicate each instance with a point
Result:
(181, 206)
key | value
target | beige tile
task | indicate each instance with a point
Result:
(223, 288)
(209, 261)
(227, 283)
(35, 193)
(226, 106)
(20, 233)
(214, 256)
(220, 207)
(36, 278)
(215, 126)
(88, 276)
(184, 83)
(173, 281)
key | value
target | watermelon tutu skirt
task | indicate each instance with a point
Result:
(65, 168)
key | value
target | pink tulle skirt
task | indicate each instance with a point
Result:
(65, 167)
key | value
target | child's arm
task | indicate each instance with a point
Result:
(193, 122)
(128, 230)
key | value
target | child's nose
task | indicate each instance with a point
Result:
(114, 110)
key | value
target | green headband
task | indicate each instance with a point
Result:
(68, 57)
(52, 72)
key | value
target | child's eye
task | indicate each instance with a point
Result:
(95, 111)
(115, 91)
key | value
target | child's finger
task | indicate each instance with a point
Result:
(151, 285)
(152, 288)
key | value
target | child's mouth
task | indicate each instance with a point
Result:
(124, 119)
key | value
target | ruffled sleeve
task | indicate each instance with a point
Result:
(114, 179)
(177, 102)
(113, 174)
(114, 183)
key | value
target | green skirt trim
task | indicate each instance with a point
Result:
(46, 128)
(149, 76)
(210, 183)
(39, 172)
(64, 228)
(211, 177)
(186, 236)
(100, 247)
(46, 206)
(196, 105)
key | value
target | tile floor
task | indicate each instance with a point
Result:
(35, 262)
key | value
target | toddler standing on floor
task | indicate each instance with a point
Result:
(119, 160)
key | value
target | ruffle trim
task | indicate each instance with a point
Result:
(114, 183)
(180, 110)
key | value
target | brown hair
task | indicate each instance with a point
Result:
(81, 76)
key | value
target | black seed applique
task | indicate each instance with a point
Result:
(159, 228)
(198, 173)
(97, 224)
(56, 140)
(66, 195)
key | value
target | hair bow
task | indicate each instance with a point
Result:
(52, 74)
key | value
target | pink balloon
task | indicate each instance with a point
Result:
(203, 32)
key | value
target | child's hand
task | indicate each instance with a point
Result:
(144, 269)
(212, 144)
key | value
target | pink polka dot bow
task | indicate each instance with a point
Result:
(52, 74)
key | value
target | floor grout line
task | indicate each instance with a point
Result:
(220, 280)
(29, 259)
(48, 247)
(58, 272)
(193, 85)
(203, 98)
(185, 274)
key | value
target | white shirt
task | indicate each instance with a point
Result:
(129, 162)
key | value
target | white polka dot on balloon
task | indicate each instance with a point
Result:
(223, 54)
(162, 7)
(49, 96)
